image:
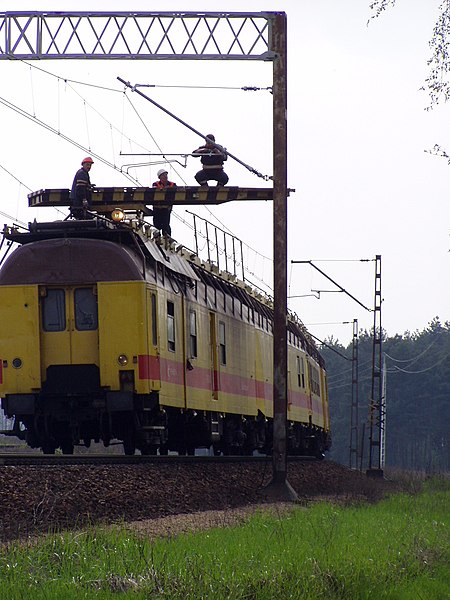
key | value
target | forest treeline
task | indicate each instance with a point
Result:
(417, 371)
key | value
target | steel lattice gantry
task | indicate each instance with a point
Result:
(136, 35)
(186, 36)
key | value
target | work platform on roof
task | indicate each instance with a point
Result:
(137, 198)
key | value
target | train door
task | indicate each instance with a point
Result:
(310, 388)
(69, 325)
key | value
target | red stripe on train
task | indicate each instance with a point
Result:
(152, 367)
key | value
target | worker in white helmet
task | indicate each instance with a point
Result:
(161, 214)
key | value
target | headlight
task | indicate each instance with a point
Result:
(122, 360)
(16, 363)
(117, 215)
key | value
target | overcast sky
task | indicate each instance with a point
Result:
(358, 134)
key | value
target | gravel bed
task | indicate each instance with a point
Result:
(35, 500)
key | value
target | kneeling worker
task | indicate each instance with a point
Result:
(212, 159)
(161, 214)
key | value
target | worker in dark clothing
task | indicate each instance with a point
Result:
(161, 214)
(212, 159)
(81, 192)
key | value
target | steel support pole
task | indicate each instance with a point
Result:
(279, 488)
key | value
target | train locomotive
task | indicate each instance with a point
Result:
(112, 333)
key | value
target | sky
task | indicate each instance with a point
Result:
(358, 136)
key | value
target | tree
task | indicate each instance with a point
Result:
(438, 81)
(417, 396)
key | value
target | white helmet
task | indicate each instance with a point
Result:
(161, 171)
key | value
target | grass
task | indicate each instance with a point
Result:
(396, 549)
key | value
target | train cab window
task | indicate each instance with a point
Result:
(171, 326)
(193, 333)
(54, 311)
(86, 313)
(222, 343)
(300, 372)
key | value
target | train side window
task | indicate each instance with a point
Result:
(54, 311)
(171, 326)
(222, 343)
(300, 372)
(193, 333)
(86, 313)
(316, 384)
(154, 329)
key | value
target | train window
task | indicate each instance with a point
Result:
(193, 333)
(315, 387)
(86, 314)
(154, 330)
(222, 343)
(54, 311)
(300, 372)
(171, 326)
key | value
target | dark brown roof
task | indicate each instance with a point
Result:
(69, 261)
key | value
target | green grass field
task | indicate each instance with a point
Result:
(396, 549)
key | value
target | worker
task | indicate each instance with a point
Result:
(212, 159)
(81, 192)
(161, 214)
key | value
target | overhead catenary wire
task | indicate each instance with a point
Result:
(414, 358)
(245, 88)
(24, 113)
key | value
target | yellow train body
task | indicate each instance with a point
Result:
(100, 341)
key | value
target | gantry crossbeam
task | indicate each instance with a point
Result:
(136, 35)
(107, 199)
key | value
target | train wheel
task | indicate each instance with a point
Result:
(129, 447)
(163, 450)
(48, 448)
(217, 449)
(67, 448)
(149, 450)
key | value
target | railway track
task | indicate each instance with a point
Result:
(16, 459)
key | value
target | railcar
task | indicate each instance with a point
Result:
(112, 333)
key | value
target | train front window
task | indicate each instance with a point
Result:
(54, 311)
(86, 313)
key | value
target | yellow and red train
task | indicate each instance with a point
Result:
(110, 333)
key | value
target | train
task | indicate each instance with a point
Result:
(113, 333)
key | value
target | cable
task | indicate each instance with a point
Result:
(13, 219)
(66, 80)
(14, 177)
(23, 113)
(422, 370)
(246, 88)
(411, 360)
